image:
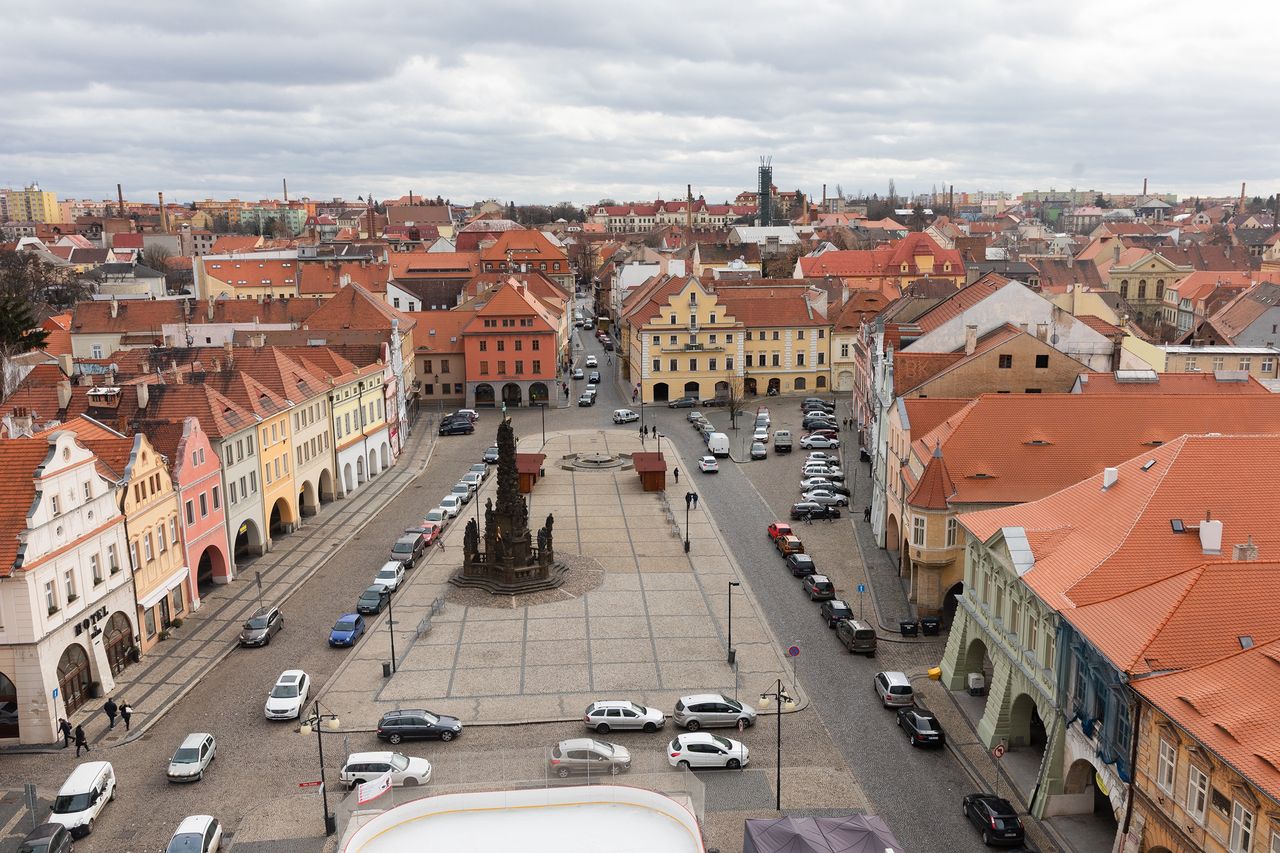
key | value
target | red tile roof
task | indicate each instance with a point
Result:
(353, 307)
(924, 415)
(434, 264)
(19, 458)
(1100, 325)
(1168, 383)
(960, 301)
(764, 307)
(248, 271)
(935, 487)
(230, 244)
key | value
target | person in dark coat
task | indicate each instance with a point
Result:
(112, 709)
(125, 713)
(676, 472)
(65, 728)
(81, 740)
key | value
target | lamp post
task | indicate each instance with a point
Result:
(543, 407)
(688, 503)
(784, 702)
(733, 655)
(330, 722)
(391, 631)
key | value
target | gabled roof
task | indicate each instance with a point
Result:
(1150, 382)
(132, 315)
(434, 264)
(353, 307)
(757, 307)
(860, 307)
(287, 378)
(439, 331)
(922, 415)
(509, 299)
(19, 458)
(935, 487)
(524, 245)
(1240, 313)
(960, 301)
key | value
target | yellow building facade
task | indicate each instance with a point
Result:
(279, 496)
(32, 204)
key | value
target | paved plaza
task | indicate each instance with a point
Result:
(639, 618)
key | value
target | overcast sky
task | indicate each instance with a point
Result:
(548, 101)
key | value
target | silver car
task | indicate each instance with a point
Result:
(192, 758)
(609, 714)
(587, 755)
(826, 497)
(712, 709)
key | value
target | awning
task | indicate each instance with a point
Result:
(162, 589)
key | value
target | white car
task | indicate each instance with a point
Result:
(702, 749)
(452, 505)
(577, 373)
(438, 516)
(708, 465)
(761, 434)
(200, 833)
(479, 468)
(811, 483)
(288, 695)
(470, 413)
(462, 492)
(818, 441)
(624, 416)
(390, 575)
(826, 497)
(362, 767)
(694, 415)
(591, 361)
(192, 758)
(826, 471)
(473, 479)
(821, 458)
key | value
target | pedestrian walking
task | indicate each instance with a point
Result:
(81, 740)
(808, 517)
(125, 713)
(65, 728)
(695, 500)
(676, 472)
(112, 709)
(866, 514)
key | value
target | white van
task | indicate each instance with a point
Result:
(82, 797)
(717, 444)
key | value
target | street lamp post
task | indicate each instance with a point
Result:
(543, 407)
(688, 503)
(313, 722)
(733, 655)
(784, 702)
(391, 621)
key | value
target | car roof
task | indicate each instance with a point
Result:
(44, 831)
(408, 537)
(379, 755)
(999, 804)
(699, 737)
(83, 776)
(896, 677)
(374, 588)
(837, 602)
(800, 558)
(348, 616)
(615, 703)
(819, 579)
(194, 739)
(703, 697)
(391, 565)
(578, 743)
(404, 712)
(290, 676)
(263, 611)
(194, 823)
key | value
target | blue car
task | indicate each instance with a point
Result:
(348, 629)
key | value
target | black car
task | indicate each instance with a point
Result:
(490, 455)
(373, 599)
(457, 426)
(816, 406)
(810, 424)
(47, 838)
(800, 565)
(593, 377)
(683, 403)
(815, 510)
(396, 726)
(258, 631)
(834, 610)
(818, 587)
(995, 818)
(922, 728)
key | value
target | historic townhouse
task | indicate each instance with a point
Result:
(512, 346)
(786, 337)
(67, 616)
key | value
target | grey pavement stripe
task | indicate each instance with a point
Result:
(648, 617)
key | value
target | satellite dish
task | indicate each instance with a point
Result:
(1054, 338)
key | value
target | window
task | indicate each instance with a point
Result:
(1006, 361)
(484, 368)
(712, 364)
(502, 368)
(484, 346)
(519, 367)
(657, 365)
(537, 366)
(444, 364)
(95, 351)
(844, 350)
(799, 359)
(536, 344)
(149, 620)
(776, 360)
(1241, 829)
(693, 364)
(917, 531)
(519, 345)
(822, 358)
(951, 532)
(657, 340)
(1166, 766)
(1042, 361)
(88, 491)
(1198, 794)
(1190, 366)
(1033, 632)
(502, 345)
(204, 506)
(775, 335)
(800, 334)
(54, 506)
(728, 338)
(673, 319)
(148, 546)
(51, 596)
(822, 333)
(426, 366)
(113, 560)
(711, 319)
(672, 366)
(134, 562)
(160, 540)
(176, 598)
(748, 359)
(1218, 362)
(69, 584)
(728, 363)
(1267, 365)
(95, 569)
(1246, 363)
(173, 530)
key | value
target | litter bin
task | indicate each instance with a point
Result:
(930, 625)
(386, 669)
(909, 627)
(977, 684)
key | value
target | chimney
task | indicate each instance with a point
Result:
(209, 309)
(1246, 552)
(285, 183)
(1211, 536)
(120, 196)
(67, 364)
(64, 394)
(21, 423)
(1042, 331)
(164, 220)
(144, 394)
(1115, 252)
(970, 339)
(1144, 187)
(1241, 208)
(688, 206)
(1109, 477)
(230, 349)
(177, 375)
(115, 308)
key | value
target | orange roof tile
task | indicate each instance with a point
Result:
(960, 301)
(250, 271)
(764, 307)
(19, 458)
(439, 331)
(924, 415)
(935, 487)
(231, 243)
(1168, 383)
(353, 307)
(434, 264)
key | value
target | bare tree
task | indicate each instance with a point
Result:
(736, 401)
(156, 257)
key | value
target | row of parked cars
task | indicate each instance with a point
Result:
(692, 749)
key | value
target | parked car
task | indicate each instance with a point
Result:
(818, 441)
(800, 565)
(894, 689)
(591, 361)
(834, 611)
(588, 398)
(995, 818)
(347, 631)
(759, 450)
(461, 426)
(405, 772)
(761, 434)
(857, 636)
(47, 838)
(479, 468)
(262, 625)
(470, 414)
(813, 510)
(390, 575)
(429, 531)
(810, 483)
(587, 755)
(708, 710)
(702, 749)
(624, 416)
(708, 465)
(199, 833)
(825, 432)
(578, 373)
(695, 415)
(606, 715)
(818, 587)
(789, 545)
(288, 695)
(922, 727)
(462, 492)
(821, 457)
(683, 403)
(372, 600)
(829, 472)
(490, 456)
(192, 758)
(439, 516)
(396, 726)
(826, 497)
(408, 549)
(451, 505)
(779, 528)
(83, 797)
(473, 480)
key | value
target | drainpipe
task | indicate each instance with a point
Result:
(1133, 765)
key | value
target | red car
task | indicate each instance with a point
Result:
(829, 433)
(429, 531)
(779, 528)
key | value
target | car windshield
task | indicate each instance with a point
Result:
(723, 743)
(602, 748)
(402, 547)
(431, 718)
(257, 623)
(70, 803)
(187, 841)
(186, 755)
(387, 574)
(639, 709)
(398, 762)
(284, 691)
(345, 625)
(435, 515)
(374, 593)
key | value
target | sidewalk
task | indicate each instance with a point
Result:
(175, 666)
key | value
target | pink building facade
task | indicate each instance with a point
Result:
(197, 477)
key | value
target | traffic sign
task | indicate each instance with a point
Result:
(315, 784)
(998, 751)
(793, 652)
(862, 587)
